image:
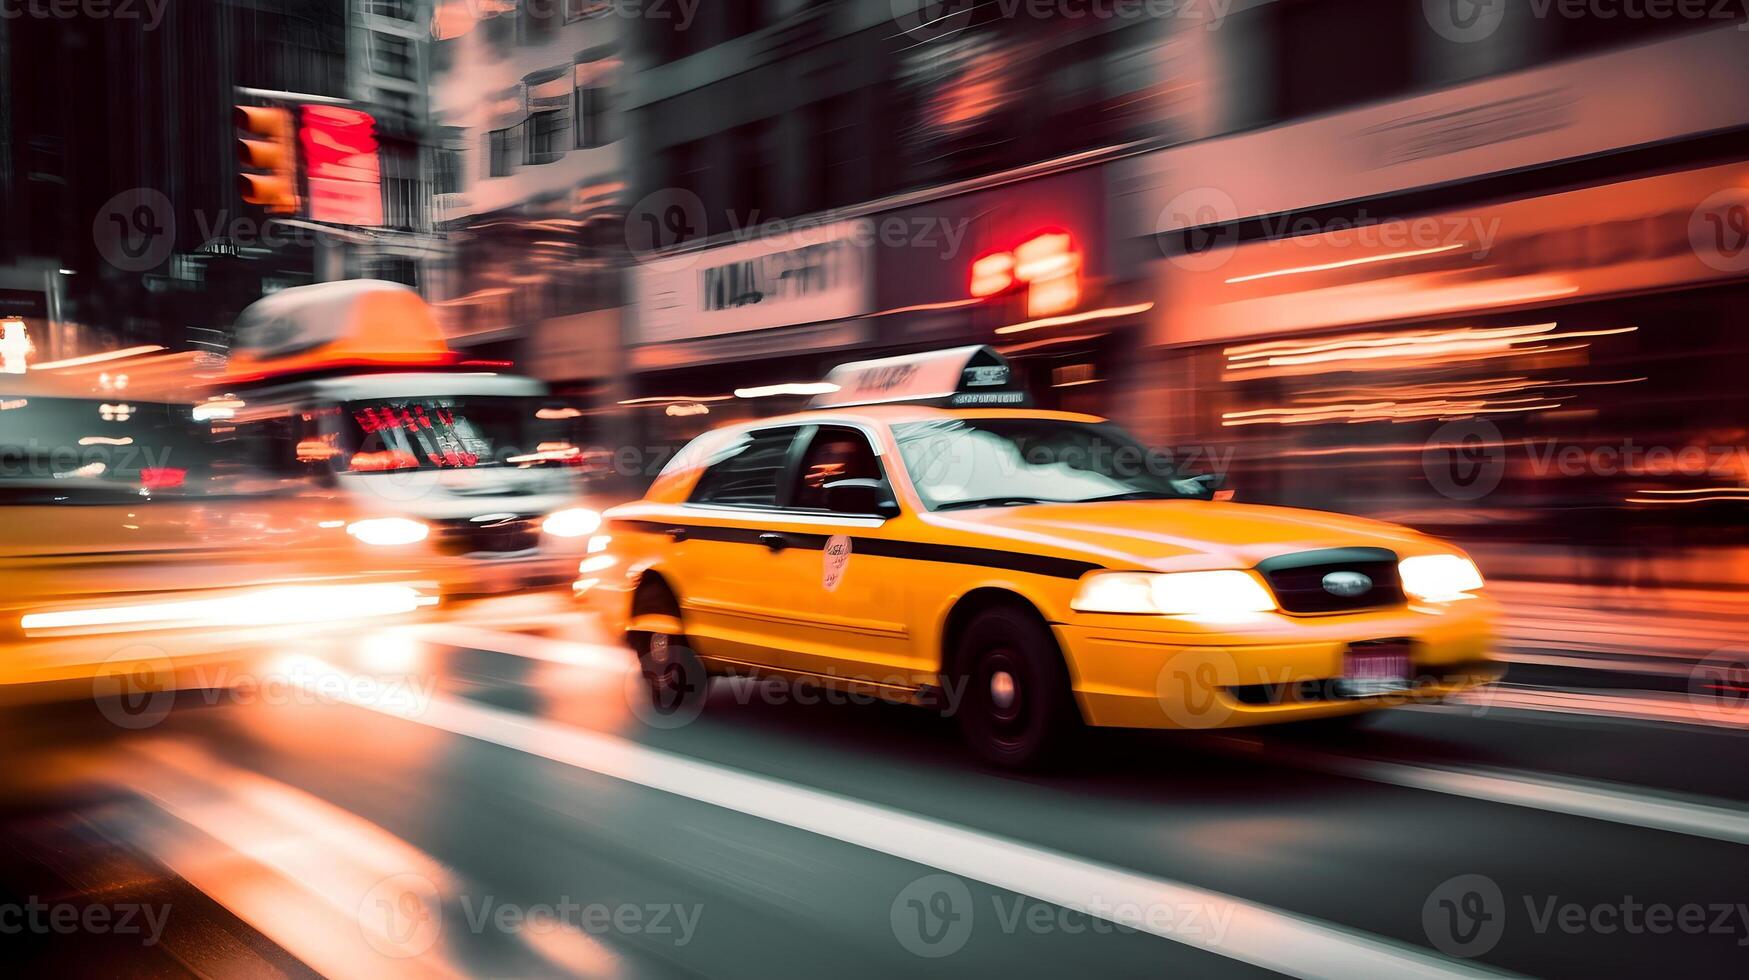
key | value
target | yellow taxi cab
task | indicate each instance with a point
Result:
(923, 537)
(139, 552)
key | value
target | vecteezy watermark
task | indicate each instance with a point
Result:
(1198, 231)
(403, 916)
(1465, 459)
(135, 230)
(1464, 21)
(1718, 685)
(1718, 230)
(136, 687)
(934, 917)
(673, 217)
(667, 691)
(35, 916)
(931, 20)
(150, 13)
(1467, 916)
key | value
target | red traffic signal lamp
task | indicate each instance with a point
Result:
(270, 145)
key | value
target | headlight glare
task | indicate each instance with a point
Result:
(1218, 593)
(1439, 578)
(388, 531)
(572, 522)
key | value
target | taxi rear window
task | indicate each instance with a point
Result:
(745, 472)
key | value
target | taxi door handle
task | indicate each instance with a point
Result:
(677, 533)
(776, 542)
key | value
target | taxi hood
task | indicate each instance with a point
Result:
(1178, 535)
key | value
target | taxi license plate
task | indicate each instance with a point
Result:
(1374, 668)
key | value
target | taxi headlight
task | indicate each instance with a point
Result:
(1173, 594)
(572, 522)
(388, 531)
(1439, 578)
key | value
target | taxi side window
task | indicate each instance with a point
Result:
(834, 454)
(746, 472)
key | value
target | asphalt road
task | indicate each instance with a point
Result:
(477, 796)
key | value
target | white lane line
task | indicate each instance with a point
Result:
(1256, 934)
(1575, 798)
(1614, 804)
(1674, 708)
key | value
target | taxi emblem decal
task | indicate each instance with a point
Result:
(836, 555)
(1347, 584)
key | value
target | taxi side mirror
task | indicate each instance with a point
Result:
(862, 496)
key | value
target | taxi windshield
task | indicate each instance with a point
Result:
(449, 432)
(120, 442)
(972, 462)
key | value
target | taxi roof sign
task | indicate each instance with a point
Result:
(961, 377)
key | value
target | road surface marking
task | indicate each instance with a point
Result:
(1574, 798)
(1258, 934)
(1613, 804)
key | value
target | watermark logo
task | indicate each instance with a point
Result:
(1465, 916)
(1464, 460)
(135, 230)
(1190, 687)
(1718, 230)
(1464, 21)
(401, 916)
(932, 916)
(150, 13)
(1196, 230)
(69, 919)
(1718, 686)
(668, 689)
(135, 687)
(666, 219)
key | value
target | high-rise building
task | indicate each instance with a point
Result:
(529, 168)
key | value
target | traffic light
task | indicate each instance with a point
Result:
(270, 145)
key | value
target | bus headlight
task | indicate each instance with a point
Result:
(1439, 578)
(572, 522)
(1173, 594)
(388, 531)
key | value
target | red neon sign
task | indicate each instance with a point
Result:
(1048, 264)
(340, 157)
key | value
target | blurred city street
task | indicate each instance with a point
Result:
(297, 823)
(768, 488)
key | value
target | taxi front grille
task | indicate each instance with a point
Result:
(496, 537)
(1302, 582)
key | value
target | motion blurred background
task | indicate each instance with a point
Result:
(1475, 268)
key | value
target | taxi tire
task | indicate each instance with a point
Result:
(1040, 720)
(674, 677)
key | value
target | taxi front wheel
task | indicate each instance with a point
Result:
(1015, 708)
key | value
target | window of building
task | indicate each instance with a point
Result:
(548, 136)
(503, 149)
(446, 171)
(753, 150)
(594, 115)
(395, 101)
(832, 178)
(391, 56)
(747, 471)
(398, 9)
